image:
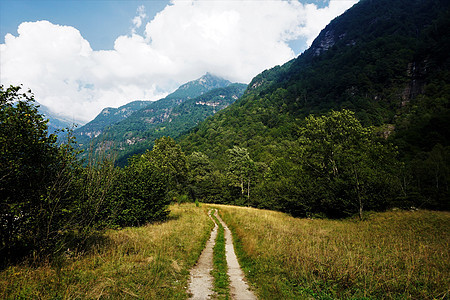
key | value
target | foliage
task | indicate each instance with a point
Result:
(140, 196)
(350, 167)
(51, 202)
(37, 194)
(144, 189)
(240, 169)
(168, 158)
(392, 72)
(201, 177)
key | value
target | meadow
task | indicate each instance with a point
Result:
(148, 262)
(389, 255)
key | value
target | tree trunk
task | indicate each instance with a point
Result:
(358, 193)
(248, 190)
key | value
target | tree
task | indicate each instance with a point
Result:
(140, 194)
(36, 178)
(345, 160)
(241, 169)
(200, 172)
(168, 158)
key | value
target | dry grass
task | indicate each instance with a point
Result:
(398, 254)
(150, 262)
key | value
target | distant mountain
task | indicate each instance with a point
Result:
(159, 111)
(178, 112)
(107, 117)
(174, 122)
(56, 122)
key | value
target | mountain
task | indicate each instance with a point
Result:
(375, 59)
(178, 112)
(159, 111)
(132, 139)
(56, 122)
(385, 60)
(107, 117)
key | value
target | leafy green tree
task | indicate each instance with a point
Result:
(241, 169)
(351, 167)
(168, 158)
(140, 194)
(200, 172)
(37, 193)
(429, 179)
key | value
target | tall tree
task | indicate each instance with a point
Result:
(37, 199)
(241, 169)
(355, 168)
(169, 159)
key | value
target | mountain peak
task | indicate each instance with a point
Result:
(199, 86)
(212, 80)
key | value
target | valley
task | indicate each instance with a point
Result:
(327, 176)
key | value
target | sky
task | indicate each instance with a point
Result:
(81, 56)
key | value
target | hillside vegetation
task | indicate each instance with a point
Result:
(386, 62)
(131, 129)
(391, 255)
(355, 127)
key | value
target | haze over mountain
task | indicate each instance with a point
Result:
(56, 122)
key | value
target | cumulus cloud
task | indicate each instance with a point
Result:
(233, 39)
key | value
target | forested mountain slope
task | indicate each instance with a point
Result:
(108, 116)
(171, 116)
(387, 61)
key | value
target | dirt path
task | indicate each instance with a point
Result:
(201, 283)
(238, 287)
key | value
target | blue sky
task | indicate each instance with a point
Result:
(81, 56)
(99, 21)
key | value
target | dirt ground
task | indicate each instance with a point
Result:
(201, 283)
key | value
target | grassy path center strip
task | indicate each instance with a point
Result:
(238, 286)
(221, 279)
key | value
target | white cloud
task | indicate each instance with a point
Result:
(233, 39)
(317, 19)
(137, 21)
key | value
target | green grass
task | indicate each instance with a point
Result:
(391, 255)
(149, 262)
(221, 279)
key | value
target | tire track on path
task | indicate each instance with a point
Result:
(201, 283)
(238, 286)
